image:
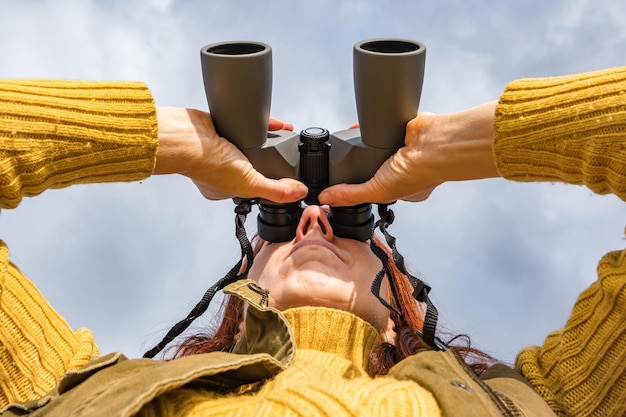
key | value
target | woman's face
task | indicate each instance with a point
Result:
(318, 268)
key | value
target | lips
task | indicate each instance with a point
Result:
(315, 242)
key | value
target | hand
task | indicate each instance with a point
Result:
(189, 145)
(438, 148)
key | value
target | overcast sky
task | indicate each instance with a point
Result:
(505, 260)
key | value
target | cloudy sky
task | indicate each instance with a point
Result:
(506, 260)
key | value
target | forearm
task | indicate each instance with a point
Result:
(181, 134)
(55, 133)
(570, 129)
(459, 145)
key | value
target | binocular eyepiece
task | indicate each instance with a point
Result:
(388, 78)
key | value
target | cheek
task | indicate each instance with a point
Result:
(367, 262)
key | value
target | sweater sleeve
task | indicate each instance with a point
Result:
(570, 129)
(580, 370)
(573, 129)
(55, 133)
(37, 346)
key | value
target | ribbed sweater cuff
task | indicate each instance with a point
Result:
(56, 133)
(570, 129)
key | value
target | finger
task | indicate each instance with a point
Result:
(276, 124)
(353, 194)
(284, 190)
(415, 198)
(354, 126)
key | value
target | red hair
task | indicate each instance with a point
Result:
(381, 358)
(386, 355)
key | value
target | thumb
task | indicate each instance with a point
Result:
(352, 194)
(284, 190)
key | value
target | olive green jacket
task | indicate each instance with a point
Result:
(115, 386)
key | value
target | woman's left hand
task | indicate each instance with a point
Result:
(438, 148)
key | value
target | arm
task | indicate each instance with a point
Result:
(37, 346)
(55, 133)
(573, 129)
(570, 129)
(580, 369)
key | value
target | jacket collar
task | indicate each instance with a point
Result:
(266, 329)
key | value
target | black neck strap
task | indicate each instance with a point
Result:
(420, 289)
(242, 210)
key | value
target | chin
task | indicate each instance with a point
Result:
(313, 288)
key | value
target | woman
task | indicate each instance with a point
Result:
(292, 280)
(542, 132)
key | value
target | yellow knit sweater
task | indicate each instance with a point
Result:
(53, 134)
(57, 133)
(570, 129)
(573, 129)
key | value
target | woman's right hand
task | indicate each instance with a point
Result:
(189, 145)
(438, 148)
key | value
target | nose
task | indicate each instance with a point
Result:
(314, 219)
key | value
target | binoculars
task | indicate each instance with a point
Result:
(388, 77)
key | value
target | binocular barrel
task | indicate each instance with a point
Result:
(238, 83)
(388, 77)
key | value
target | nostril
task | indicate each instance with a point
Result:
(314, 218)
(322, 226)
